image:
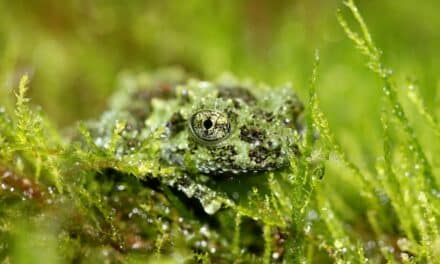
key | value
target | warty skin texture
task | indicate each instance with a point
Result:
(203, 131)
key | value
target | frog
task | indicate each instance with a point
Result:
(205, 131)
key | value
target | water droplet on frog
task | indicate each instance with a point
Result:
(189, 191)
(211, 206)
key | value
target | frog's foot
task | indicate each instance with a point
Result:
(210, 200)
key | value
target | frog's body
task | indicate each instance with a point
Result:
(215, 129)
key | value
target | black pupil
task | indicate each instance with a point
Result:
(207, 123)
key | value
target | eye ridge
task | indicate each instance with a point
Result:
(210, 126)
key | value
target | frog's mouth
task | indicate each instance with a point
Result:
(228, 159)
(228, 165)
(236, 170)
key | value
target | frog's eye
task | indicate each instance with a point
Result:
(210, 126)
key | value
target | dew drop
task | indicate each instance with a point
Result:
(338, 244)
(205, 231)
(275, 255)
(98, 141)
(204, 84)
(211, 206)
(422, 197)
(7, 174)
(307, 229)
(203, 243)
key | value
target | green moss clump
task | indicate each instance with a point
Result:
(71, 201)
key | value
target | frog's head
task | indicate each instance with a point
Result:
(218, 129)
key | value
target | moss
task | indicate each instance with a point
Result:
(359, 193)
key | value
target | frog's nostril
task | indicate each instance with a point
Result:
(207, 123)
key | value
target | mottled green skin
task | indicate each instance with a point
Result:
(264, 126)
(263, 129)
(251, 129)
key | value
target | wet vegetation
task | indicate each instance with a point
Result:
(364, 189)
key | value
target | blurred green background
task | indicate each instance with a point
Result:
(74, 51)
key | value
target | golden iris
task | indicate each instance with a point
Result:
(210, 126)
